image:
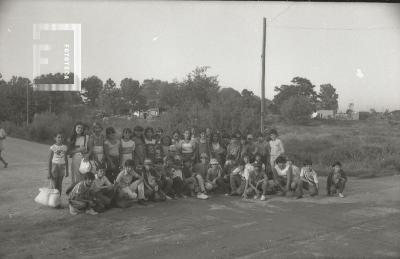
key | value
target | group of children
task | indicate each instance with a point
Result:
(143, 165)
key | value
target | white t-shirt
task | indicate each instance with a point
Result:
(283, 172)
(59, 153)
(309, 176)
(248, 168)
(276, 147)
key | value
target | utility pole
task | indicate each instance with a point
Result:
(263, 75)
(27, 104)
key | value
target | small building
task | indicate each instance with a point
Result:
(326, 114)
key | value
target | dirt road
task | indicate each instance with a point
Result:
(363, 225)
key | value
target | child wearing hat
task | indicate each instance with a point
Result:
(214, 178)
(336, 180)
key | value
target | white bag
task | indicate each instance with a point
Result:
(85, 167)
(43, 196)
(54, 198)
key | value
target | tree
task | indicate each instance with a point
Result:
(198, 86)
(110, 98)
(130, 90)
(297, 109)
(328, 98)
(92, 87)
(54, 101)
(299, 87)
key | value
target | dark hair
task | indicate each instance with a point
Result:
(127, 130)
(237, 134)
(160, 129)
(307, 162)
(215, 134)
(109, 131)
(74, 135)
(168, 138)
(88, 176)
(97, 124)
(190, 133)
(129, 163)
(58, 133)
(148, 129)
(258, 134)
(176, 132)
(230, 157)
(281, 159)
(273, 131)
(101, 166)
(337, 163)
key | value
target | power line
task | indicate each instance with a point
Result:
(332, 28)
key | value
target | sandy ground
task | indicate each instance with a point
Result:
(363, 225)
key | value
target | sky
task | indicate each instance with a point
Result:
(353, 46)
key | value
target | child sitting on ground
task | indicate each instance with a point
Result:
(189, 178)
(124, 180)
(104, 190)
(214, 180)
(81, 198)
(200, 172)
(152, 190)
(336, 180)
(256, 183)
(237, 180)
(308, 180)
(284, 173)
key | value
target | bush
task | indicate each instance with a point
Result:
(297, 110)
(45, 125)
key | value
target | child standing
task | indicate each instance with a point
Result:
(111, 150)
(81, 198)
(140, 150)
(58, 162)
(187, 147)
(235, 148)
(96, 144)
(150, 143)
(3, 136)
(78, 150)
(308, 180)
(276, 147)
(127, 146)
(336, 180)
(203, 145)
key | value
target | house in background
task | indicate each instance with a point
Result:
(325, 114)
(150, 114)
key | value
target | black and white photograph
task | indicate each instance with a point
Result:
(199, 129)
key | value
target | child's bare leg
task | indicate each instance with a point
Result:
(3, 161)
